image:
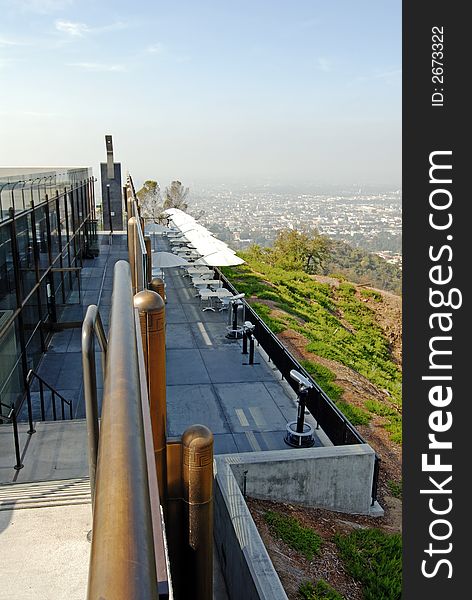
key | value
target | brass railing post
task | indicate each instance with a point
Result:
(152, 319)
(197, 467)
(157, 285)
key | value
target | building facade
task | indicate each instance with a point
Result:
(47, 226)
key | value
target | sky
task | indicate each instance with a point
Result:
(256, 91)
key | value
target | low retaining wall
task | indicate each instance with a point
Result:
(246, 566)
(337, 478)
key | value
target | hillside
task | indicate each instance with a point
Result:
(362, 267)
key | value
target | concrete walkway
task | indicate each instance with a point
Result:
(245, 406)
(45, 552)
(58, 450)
(61, 367)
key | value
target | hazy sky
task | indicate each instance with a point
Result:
(256, 90)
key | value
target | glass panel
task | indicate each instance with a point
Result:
(54, 230)
(11, 384)
(42, 237)
(7, 277)
(34, 349)
(25, 252)
(62, 215)
(31, 317)
(18, 197)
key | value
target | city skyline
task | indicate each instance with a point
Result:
(262, 92)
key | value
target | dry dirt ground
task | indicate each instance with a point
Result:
(291, 566)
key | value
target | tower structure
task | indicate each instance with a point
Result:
(112, 203)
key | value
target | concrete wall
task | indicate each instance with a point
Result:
(338, 477)
(246, 566)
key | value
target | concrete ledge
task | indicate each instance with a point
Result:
(337, 478)
(246, 566)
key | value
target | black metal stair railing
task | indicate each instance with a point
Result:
(54, 395)
(57, 411)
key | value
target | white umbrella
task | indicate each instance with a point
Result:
(204, 243)
(195, 229)
(178, 216)
(167, 260)
(178, 241)
(190, 226)
(220, 259)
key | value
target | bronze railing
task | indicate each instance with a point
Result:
(123, 557)
(131, 500)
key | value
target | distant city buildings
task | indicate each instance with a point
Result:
(372, 221)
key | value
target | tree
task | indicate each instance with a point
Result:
(305, 251)
(152, 205)
(150, 201)
(175, 196)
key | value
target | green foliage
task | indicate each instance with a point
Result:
(305, 251)
(267, 295)
(320, 591)
(276, 325)
(378, 408)
(149, 197)
(150, 187)
(372, 295)
(175, 196)
(302, 539)
(373, 558)
(336, 322)
(394, 427)
(394, 423)
(324, 378)
(363, 267)
(356, 415)
(395, 488)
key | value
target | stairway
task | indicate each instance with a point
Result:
(45, 494)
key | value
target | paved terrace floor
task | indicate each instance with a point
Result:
(246, 407)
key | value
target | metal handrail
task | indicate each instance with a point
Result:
(92, 328)
(122, 561)
(7, 187)
(32, 374)
(137, 243)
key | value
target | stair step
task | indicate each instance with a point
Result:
(44, 493)
(43, 504)
(52, 484)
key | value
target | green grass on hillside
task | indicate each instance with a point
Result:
(302, 539)
(324, 378)
(336, 322)
(373, 558)
(395, 488)
(321, 590)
